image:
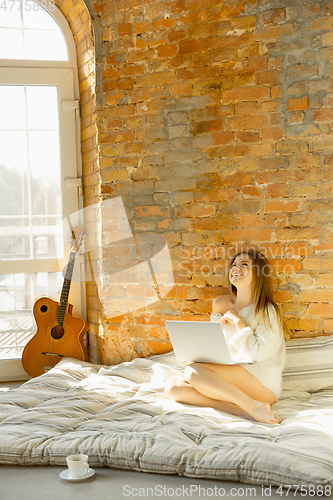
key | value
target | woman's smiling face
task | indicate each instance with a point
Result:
(241, 271)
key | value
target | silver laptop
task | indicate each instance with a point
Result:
(202, 342)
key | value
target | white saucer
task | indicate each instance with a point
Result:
(65, 475)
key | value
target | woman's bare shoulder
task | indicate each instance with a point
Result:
(222, 304)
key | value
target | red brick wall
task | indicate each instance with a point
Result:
(215, 129)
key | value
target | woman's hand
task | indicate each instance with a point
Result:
(233, 318)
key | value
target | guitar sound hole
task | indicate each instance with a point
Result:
(43, 308)
(57, 332)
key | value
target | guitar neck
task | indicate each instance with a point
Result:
(65, 289)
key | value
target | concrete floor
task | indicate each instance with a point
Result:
(41, 483)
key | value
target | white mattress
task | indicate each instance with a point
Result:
(120, 417)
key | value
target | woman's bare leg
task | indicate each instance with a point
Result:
(231, 385)
(181, 391)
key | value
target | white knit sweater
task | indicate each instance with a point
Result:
(264, 345)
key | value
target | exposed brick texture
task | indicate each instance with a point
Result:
(215, 129)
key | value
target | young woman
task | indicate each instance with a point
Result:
(254, 327)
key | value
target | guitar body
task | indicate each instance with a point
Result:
(51, 341)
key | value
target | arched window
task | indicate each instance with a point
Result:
(29, 31)
(39, 166)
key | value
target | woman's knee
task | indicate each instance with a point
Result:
(173, 385)
(191, 371)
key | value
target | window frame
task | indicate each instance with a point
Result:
(63, 74)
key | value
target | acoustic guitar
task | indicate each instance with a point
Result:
(59, 334)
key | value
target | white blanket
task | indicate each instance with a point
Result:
(120, 417)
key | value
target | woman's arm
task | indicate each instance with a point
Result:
(260, 343)
(232, 317)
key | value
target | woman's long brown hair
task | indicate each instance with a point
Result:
(262, 288)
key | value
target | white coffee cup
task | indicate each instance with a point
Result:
(77, 465)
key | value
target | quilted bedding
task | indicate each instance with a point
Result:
(120, 417)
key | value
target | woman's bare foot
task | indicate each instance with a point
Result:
(262, 413)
